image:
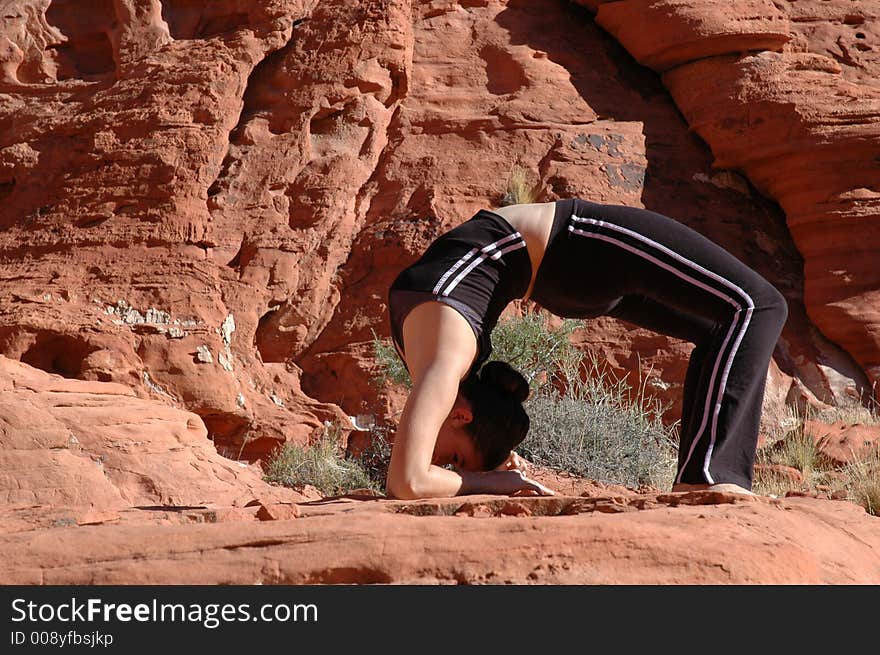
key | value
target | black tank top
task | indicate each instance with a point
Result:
(477, 268)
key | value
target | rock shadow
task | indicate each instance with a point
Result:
(88, 51)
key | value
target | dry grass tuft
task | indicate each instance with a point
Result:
(862, 481)
(522, 187)
(858, 481)
(323, 465)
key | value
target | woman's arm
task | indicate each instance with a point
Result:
(440, 347)
(410, 473)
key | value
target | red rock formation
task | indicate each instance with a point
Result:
(843, 442)
(191, 191)
(95, 446)
(781, 472)
(110, 270)
(663, 35)
(786, 93)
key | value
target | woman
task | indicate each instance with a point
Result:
(577, 259)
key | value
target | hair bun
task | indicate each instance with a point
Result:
(506, 379)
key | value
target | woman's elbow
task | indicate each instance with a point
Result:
(402, 493)
(404, 488)
(399, 489)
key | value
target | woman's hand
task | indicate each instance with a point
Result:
(531, 487)
(505, 483)
(514, 462)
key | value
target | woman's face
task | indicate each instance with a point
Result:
(454, 445)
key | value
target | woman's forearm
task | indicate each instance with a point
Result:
(442, 483)
(477, 482)
(485, 482)
(500, 482)
(436, 482)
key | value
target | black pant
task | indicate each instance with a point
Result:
(648, 269)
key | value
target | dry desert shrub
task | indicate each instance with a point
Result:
(588, 422)
(858, 480)
(861, 481)
(324, 465)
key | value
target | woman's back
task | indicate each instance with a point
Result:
(534, 222)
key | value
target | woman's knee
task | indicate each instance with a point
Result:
(770, 301)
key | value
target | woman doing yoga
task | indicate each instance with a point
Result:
(577, 259)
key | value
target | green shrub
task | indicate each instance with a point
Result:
(322, 465)
(592, 427)
(527, 344)
(392, 370)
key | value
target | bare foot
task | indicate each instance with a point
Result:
(726, 487)
(729, 487)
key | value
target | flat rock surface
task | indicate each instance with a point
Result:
(682, 538)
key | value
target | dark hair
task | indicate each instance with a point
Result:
(499, 422)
